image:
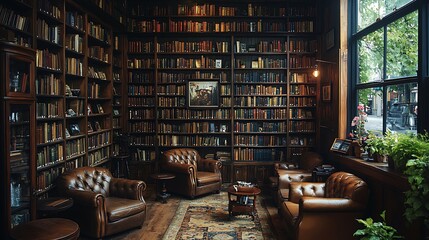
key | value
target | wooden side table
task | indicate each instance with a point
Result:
(50, 207)
(161, 190)
(46, 228)
(242, 200)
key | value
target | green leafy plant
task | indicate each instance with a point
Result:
(406, 147)
(376, 230)
(416, 199)
(380, 144)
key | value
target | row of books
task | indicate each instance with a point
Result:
(99, 53)
(141, 114)
(11, 18)
(19, 82)
(45, 179)
(142, 140)
(140, 63)
(75, 147)
(302, 126)
(274, 46)
(302, 61)
(47, 59)
(259, 77)
(265, 140)
(255, 154)
(183, 77)
(138, 77)
(49, 132)
(302, 90)
(98, 31)
(49, 155)
(209, 9)
(74, 42)
(50, 9)
(134, 90)
(75, 19)
(74, 66)
(144, 126)
(194, 114)
(259, 101)
(171, 101)
(140, 102)
(192, 127)
(260, 127)
(202, 62)
(75, 107)
(98, 140)
(259, 90)
(300, 113)
(302, 101)
(143, 155)
(175, 140)
(95, 157)
(48, 84)
(302, 141)
(49, 109)
(260, 63)
(258, 113)
(48, 32)
(203, 46)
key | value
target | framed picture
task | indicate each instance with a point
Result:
(218, 63)
(203, 93)
(100, 108)
(116, 112)
(90, 129)
(341, 145)
(326, 93)
(330, 39)
(74, 129)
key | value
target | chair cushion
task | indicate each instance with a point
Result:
(119, 208)
(204, 178)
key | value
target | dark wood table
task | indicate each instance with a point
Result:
(46, 228)
(50, 207)
(242, 200)
(161, 190)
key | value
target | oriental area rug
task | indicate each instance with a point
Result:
(207, 218)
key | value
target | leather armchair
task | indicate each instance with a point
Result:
(301, 173)
(194, 175)
(103, 205)
(325, 210)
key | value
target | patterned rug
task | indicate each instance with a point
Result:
(207, 218)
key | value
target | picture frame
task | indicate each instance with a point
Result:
(341, 145)
(74, 129)
(90, 129)
(115, 112)
(330, 39)
(203, 93)
(218, 63)
(326, 93)
(100, 108)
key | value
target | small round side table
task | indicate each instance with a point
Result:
(51, 207)
(161, 190)
(46, 228)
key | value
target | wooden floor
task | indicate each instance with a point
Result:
(159, 216)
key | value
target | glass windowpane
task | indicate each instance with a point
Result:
(402, 109)
(370, 11)
(402, 47)
(372, 100)
(370, 57)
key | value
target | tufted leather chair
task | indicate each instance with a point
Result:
(325, 210)
(286, 174)
(194, 175)
(103, 205)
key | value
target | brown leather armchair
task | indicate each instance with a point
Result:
(301, 173)
(325, 210)
(194, 175)
(103, 205)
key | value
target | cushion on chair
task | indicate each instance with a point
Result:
(204, 178)
(120, 208)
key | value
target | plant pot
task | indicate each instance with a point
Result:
(390, 162)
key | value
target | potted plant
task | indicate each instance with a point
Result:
(406, 147)
(376, 146)
(376, 230)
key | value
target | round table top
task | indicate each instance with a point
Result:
(243, 191)
(46, 228)
(54, 204)
(162, 176)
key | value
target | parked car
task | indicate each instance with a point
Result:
(399, 113)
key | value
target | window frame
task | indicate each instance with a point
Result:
(421, 78)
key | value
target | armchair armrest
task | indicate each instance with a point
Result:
(126, 188)
(209, 165)
(297, 190)
(318, 204)
(85, 198)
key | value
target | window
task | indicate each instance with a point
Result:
(384, 70)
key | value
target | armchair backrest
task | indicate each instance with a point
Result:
(94, 179)
(346, 185)
(310, 160)
(182, 155)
